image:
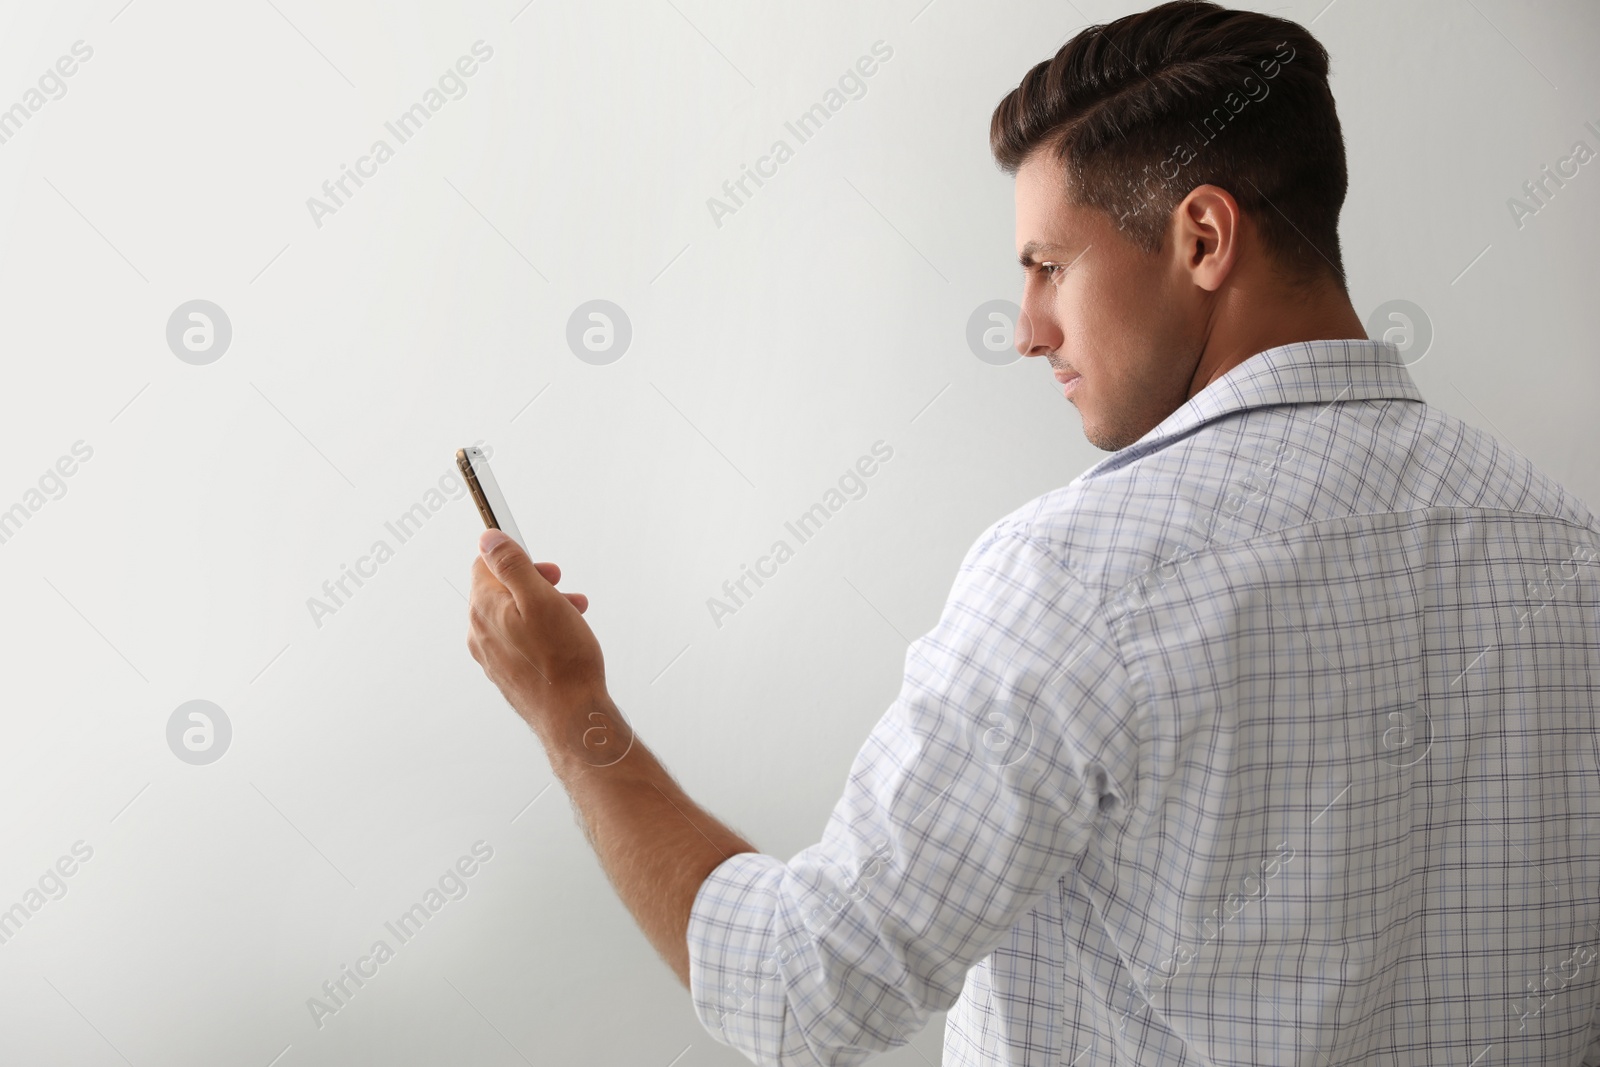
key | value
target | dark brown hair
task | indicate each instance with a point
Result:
(1146, 108)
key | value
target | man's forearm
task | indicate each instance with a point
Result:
(656, 845)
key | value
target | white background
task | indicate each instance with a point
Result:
(768, 353)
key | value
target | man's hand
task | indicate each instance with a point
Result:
(533, 643)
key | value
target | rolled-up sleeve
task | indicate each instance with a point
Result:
(1012, 741)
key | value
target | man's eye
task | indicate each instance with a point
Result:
(1051, 271)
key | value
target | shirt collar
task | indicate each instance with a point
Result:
(1305, 372)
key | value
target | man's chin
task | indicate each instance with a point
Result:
(1095, 435)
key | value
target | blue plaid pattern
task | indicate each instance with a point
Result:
(1269, 739)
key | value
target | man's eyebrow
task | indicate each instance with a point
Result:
(1030, 249)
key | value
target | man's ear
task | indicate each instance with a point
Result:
(1209, 229)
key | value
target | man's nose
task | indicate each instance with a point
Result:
(1031, 341)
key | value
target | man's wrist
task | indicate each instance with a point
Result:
(587, 733)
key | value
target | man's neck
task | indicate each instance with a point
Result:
(1245, 327)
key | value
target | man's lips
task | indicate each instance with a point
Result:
(1069, 381)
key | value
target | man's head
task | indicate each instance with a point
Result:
(1179, 175)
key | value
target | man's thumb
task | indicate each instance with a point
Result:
(506, 559)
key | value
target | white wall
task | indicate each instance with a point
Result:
(768, 353)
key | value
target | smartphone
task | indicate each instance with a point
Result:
(486, 491)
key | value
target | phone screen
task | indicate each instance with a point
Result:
(486, 492)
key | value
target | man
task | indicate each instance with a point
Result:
(1271, 738)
